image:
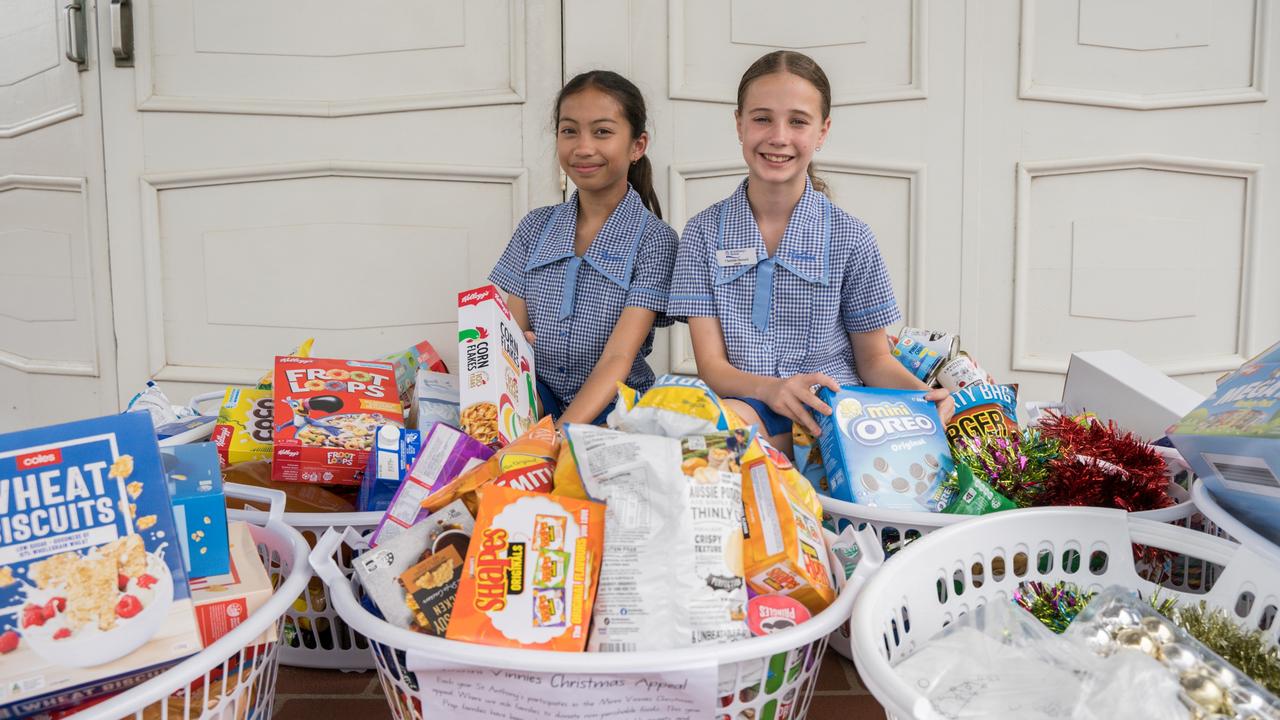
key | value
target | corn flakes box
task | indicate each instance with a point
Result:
(530, 576)
(497, 399)
(327, 413)
(93, 592)
(244, 426)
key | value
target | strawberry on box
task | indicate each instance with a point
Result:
(326, 415)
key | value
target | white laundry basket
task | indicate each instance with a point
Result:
(764, 677)
(905, 601)
(1224, 523)
(232, 679)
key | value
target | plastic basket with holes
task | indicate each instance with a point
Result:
(1221, 520)
(315, 636)
(231, 679)
(895, 527)
(763, 677)
(903, 603)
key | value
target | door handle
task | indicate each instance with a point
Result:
(122, 32)
(74, 11)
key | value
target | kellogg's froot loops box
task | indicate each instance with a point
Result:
(326, 414)
(530, 575)
(93, 593)
(497, 399)
(885, 448)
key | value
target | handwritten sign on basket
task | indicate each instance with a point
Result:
(469, 693)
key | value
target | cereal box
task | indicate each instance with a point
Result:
(497, 398)
(224, 601)
(885, 448)
(326, 414)
(407, 363)
(199, 507)
(784, 551)
(93, 592)
(530, 575)
(436, 400)
(243, 429)
(1232, 441)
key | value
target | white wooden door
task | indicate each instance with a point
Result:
(1122, 147)
(332, 169)
(893, 157)
(57, 357)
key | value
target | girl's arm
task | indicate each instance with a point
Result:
(879, 368)
(790, 397)
(613, 366)
(520, 311)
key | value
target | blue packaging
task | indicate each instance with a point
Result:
(885, 448)
(394, 451)
(1232, 441)
(199, 507)
(93, 591)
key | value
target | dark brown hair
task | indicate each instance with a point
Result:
(803, 67)
(628, 96)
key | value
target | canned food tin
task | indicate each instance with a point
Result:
(944, 343)
(960, 373)
(920, 359)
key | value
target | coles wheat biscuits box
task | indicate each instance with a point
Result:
(93, 593)
(327, 413)
(497, 400)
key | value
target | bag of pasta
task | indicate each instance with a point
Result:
(526, 464)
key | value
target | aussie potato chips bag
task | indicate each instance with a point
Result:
(675, 406)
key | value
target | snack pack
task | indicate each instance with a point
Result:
(672, 569)
(529, 579)
(430, 589)
(984, 409)
(436, 400)
(446, 453)
(885, 448)
(526, 464)
(785, 552)
(380, 568)
(245, 424)
(326, 413)
(495, 365)
(93, 592)
(675, 406)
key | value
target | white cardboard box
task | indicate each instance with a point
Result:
(1117, 386)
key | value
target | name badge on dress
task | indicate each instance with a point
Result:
(736, 257)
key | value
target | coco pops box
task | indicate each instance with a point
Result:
(327, 413)
(93, 592)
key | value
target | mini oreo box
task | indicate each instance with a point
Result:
(885, 448)
(93, 592)
(199, 507)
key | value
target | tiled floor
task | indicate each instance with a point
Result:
(332, 695)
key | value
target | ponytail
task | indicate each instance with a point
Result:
(641, 178)
(818, 183)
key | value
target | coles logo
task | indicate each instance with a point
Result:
(39, 459)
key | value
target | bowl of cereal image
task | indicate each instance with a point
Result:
(80, 615)
(348, 431)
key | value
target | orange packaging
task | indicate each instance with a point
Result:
(526, 464)
(531, 571)
(326, 415)
(784, 553)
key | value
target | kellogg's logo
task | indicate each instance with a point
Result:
(292, 360)
(288, 453)
(476, 296)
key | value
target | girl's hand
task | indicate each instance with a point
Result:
(946, 406)
(530, 336)
(793, 397)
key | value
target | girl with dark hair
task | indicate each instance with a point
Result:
(784, 291)
(588, 279)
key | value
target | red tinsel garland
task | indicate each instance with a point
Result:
(1102, 467)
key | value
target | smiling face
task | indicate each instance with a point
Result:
(594, 141)
(780, 126)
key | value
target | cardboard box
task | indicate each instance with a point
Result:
(436, 400)
(84, 509)
(326, 413)
(1114, 385)
(1232, 441)
(224, 601)
(498, 400)
(244, 426)
(394, 452)
(199, 507)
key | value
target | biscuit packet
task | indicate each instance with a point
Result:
(983, 410)
(785, 552)
(530, 576)
(672, 570)
(430, 588)
(527, 464)
(675, 406)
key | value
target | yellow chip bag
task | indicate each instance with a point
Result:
(675, 406)
(785, 552)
